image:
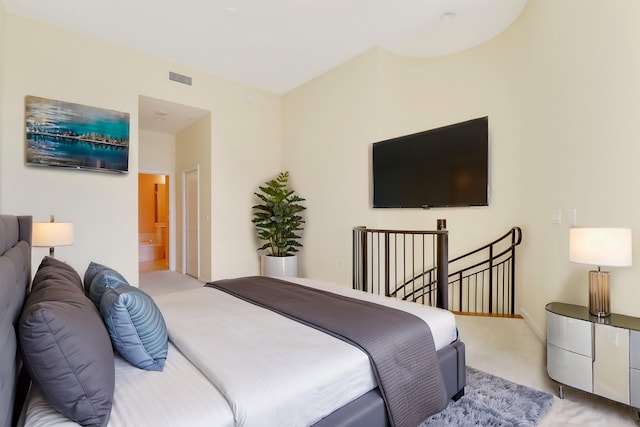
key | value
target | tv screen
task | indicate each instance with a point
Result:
(443, 167)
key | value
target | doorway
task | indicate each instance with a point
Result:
(169, 146)
(153, 222)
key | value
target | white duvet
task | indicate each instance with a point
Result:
(275, 371)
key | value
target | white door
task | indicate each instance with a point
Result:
(191, 252)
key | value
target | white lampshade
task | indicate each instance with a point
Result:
(51, 234)
(600, 246)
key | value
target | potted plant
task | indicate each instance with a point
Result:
(279, 225)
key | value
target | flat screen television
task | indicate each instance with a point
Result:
(443, 167)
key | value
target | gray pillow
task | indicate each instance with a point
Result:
(136, 326)
(106, 278)
(65, 346)
(58, 271)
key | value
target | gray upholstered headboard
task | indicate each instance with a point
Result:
(15, 278)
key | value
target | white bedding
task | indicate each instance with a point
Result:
(266, 365)
(177, 396)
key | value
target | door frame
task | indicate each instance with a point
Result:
(185, 172)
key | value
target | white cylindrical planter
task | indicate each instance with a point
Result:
(280, 266)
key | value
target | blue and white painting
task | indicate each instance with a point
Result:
(76, 136)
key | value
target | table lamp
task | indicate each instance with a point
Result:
(51, 234)
(602, 247)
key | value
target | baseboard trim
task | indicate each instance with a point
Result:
(506, 316)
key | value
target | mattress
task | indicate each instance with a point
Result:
(177, 396)
(266, 364)
(257, 366)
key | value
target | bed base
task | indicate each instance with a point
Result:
(369, 409)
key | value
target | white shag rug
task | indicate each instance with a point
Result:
(493, 401)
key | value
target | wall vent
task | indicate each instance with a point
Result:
(180, 78)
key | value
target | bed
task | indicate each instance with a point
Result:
(229, 362)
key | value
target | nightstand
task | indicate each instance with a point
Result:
(597, 355)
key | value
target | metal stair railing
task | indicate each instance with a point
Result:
(383, 258)
(487, 283)
(484, 282)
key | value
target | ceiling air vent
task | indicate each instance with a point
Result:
(179, 78)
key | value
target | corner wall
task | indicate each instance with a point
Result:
(328, 126)
(562, 100)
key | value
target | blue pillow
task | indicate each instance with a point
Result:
(91, 272)
(136, 326)
(106, 278)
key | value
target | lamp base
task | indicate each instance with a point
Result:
(599, 293)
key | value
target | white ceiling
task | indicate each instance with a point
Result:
(157, 115)
(277, 45)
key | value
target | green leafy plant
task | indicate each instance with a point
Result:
(277, 220)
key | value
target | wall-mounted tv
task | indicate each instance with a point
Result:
(68, 135)
(443, 167)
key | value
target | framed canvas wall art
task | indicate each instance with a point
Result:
(68, 135)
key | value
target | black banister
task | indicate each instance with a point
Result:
(516, 238)
(359, 259)
(501, 286)
(373, 259)
(387, 267)
(491, 279)
(442, 296)
(485, 285)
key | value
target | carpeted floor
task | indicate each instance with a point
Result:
(493, 401)
(165, 281)
(508, 348)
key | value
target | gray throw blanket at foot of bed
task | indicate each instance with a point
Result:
(399, 344)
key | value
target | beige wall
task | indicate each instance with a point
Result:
(157, 152)
(75, 68)
(581, 150)
(328, 125)
(562, 100)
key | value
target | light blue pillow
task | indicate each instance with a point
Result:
(106, 278)
(92, 271)
(136, 326)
